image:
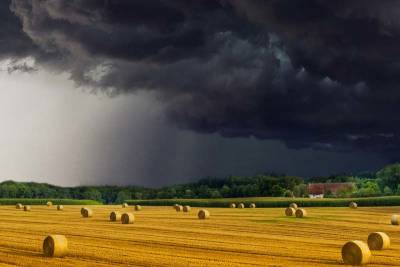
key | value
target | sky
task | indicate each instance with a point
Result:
(159, 92)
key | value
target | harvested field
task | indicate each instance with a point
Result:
(161, 236)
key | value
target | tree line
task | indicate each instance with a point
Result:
(383, 182)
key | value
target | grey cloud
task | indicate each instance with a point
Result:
(310, 73)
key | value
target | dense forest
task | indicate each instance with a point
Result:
(383, 182)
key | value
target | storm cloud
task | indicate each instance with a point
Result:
(312, 73)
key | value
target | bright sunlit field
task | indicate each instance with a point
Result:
(161, 236)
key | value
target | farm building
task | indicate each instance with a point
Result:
(318, 190)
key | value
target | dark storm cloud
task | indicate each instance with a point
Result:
(13, 42)
(320, 74)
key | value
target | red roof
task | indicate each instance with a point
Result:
(322, 188)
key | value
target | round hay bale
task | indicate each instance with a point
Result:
(86, 212)
(138, 207)
(378, 241)
(293, 205)
(27, 208)
(300, 213)
(232, 205)
(49, 204)
(356, 253)
(252, 205)
(186, 208)
(203, 214)
(115, 216)
(353, 205)
(395, 219)
(19, 206)
(127, 218)
(60, 207)
(290, 211)
(55, 246)
(179, 208)
(125, 205)
(241, 206)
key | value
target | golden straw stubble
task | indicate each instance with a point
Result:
(27, 208)
(127, 218)
(395, 219)
(60, 207)
(115, 216)
(186, 208)
(378, 241)
(55, 246)
(293, 205)
(86, 212)
(356, 253)
(203, 214)
(290, 211)
(300, 213)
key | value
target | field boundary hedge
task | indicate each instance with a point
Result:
(274, 202)
(43, 201)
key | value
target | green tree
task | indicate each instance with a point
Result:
(277, 191)
(204, 191)
(390, 176)
(329, 194)
(92, 193)
(122, 196)
(347, 192)
(300, 190)
(215, 194)
(226, 191)
(387, 191)
(368, 188)
(288, 193)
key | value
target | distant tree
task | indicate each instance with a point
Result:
(288, 193)
(188, 193)
(387, 191)
(277, 191)
(204, 191)
(329, 194)
(346, 192)
(390, 176)
(171, 193)
(215, 194)
(122, 196)
(226, 191)
(8, 190)
(368, 188)
(92, 193)
(300, 190)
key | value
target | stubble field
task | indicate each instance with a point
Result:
(161, 236)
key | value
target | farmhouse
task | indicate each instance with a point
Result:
(318, 190)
